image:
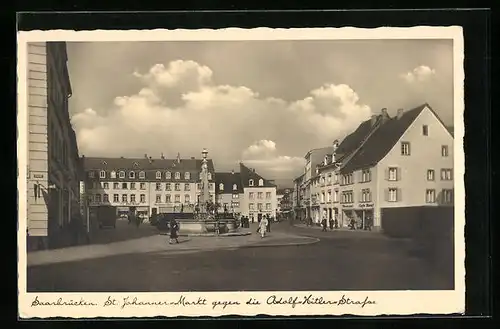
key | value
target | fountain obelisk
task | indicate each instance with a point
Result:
(205, 193)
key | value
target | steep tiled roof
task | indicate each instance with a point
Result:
(228, 179)
(382, 140)
(247, 174)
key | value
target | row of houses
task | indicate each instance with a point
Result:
(404, 161)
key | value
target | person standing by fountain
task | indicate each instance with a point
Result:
(263, 226)
(268, 228)
(174, 227)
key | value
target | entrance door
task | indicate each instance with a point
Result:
(154, 212)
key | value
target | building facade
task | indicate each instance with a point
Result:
(229, 191)
(53, 160)
(150, 186)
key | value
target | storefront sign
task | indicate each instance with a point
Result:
(347, 205)
(37, 175)
(366, 205)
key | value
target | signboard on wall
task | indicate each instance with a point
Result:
(82, 198)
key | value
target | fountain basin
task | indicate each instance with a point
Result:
(189, 225)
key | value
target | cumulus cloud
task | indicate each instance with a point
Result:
(181, 109)
(419, 74)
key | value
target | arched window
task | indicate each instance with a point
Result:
(102, 174)
(250, 182)
(177, 175)
(142, 175)
(158, 175)
(261, 182)
(221, 186)
(113, 174)
(121, 174)
(187, 175)
(131, 174)
(168, 175)
(235, 187)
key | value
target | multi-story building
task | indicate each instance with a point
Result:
(229, 191)
(148, 185)
(53, 175)
(284, 200)
(401, 161)
(259, 194)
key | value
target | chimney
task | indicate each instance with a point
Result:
(162, 156)
(150, 159)
(373, 119)
(400, 113)
(192, 158)
(178, 158)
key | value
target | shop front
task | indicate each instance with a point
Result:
(347, 215)
(364, 215)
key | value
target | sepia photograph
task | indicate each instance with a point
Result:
(275, 166)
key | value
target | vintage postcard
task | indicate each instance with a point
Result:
(241, 172)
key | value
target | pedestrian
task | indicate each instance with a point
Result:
(323, 224)
(174, 227)
(352, 224)
(268, 228)
(331, 222)
(262, 227)
(217, 227)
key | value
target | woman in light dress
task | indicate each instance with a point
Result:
(263, 226)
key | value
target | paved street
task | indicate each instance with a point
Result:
(340, 261)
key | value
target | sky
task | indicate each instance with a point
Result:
(265, 103)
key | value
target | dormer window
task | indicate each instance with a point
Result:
(102, 174)
(113, 174)
(168, 175)
(121, 174)
(187, 175)
(250, 182)
(235, 187)
(131, 174)
(221, 187)
(209, 176)
(177, 175)
(158, 175)
(261, 182)
(142, 175)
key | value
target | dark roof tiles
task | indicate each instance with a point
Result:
(228, 179)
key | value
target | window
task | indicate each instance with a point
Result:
(124, 186)
(198, 186)
(106, 185)
(366, 195)
(251, 195)
(259, 206)
(116, 198)
(168, 175)
(177, 175)
(187, 187)
(97, 198)
(444, 150)
(447, 196)
(405, 148)
(113, 174)
(268, 206)
(221, 187)
(393, 174)
(105, 198)
(336, 178)
(91, 174)
(268, 195)
(235, 187)
(122, 174)
(347, 197)
(235, 204)
(430, 196)
(209, 176)
(393, 195)
(132, 198)
(168, 187)
(102, 174)
(211, 186)
(143, 198)
(347, 179)
(177, 198)
(116, 186)
(251, 206)
(131, 174)
(425, 130)
(187, 175)
(91, 199)
(142, 175)
(335, 196)
(143, 186)
(158, 198)
(329, 178)
(260, 195)
(168, 198)
(261, 182)
(132, 186)
(236, 196)
(328, 196)
(322, 197)
(177, 186)
(158, 187)
(430, 175)
(250, 182)
(158, 175)
(446, 174)
(124, 198)
(187, 198)
(366, 175)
